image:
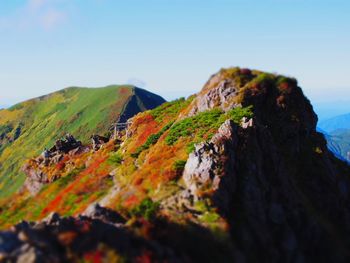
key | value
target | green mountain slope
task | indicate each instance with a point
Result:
(27, 128)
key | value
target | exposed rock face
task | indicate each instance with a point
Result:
(207, 166)
(35, 180)
(35, 168)
(96, 211)
(73, 239)
(98, 141)
(285, 195)
(218, 92)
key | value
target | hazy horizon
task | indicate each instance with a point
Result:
(325, 109)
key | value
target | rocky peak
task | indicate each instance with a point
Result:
(278, 102)
(272, 172)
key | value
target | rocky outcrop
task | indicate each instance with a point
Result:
(208, 166)
(90, 238)
(95, 211)
(36, 178)
(98, 141)
(221, 96)
(36, 169)
(285, 196)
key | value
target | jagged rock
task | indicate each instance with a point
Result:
(8, 242)
(73, 237)
(183, 200)
(36, 178)
(65, 145)
(98, 141)
(207, 166)
(35, 169)
(52, 218)
(96, 211)
(218, 92)
(105, 201)
(29, 254)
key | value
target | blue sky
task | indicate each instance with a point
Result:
(171, 47)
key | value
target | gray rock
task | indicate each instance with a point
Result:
(8, 242)
(29, 254)
(207, 167)
(52, 218)
(96, 211)
(217, 93)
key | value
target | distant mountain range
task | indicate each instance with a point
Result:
(336, 123)
(337, 133)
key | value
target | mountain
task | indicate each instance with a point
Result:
(331, 108)
(28, 127)
(337, 133)
(339, 143)
(235, 173)
(336, 123)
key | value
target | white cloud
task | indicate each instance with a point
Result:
(136, 82)
(44, 14)
(52, 18)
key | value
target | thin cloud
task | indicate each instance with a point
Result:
(44, 14)
(52, 18)
(36, 4)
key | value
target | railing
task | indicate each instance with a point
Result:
(121, 126)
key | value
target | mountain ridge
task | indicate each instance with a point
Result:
(52, 115)
(336, 123)
(236, 172)
(337, 132)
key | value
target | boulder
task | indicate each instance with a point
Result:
(95, 211)
(209, 166)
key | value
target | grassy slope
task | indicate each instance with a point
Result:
(151, 165)
(80, 111)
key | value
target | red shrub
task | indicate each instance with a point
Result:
(94, 256)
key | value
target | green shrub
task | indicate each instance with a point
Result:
(4, 129)
(190, 147)
(65, 180)
(115, 159)
(198, 124)
(147, 209)
(204, 125)
(282, 79)
(170, 109)
(238, 113)
(264, 77)
(179, 164)
(210, 217)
